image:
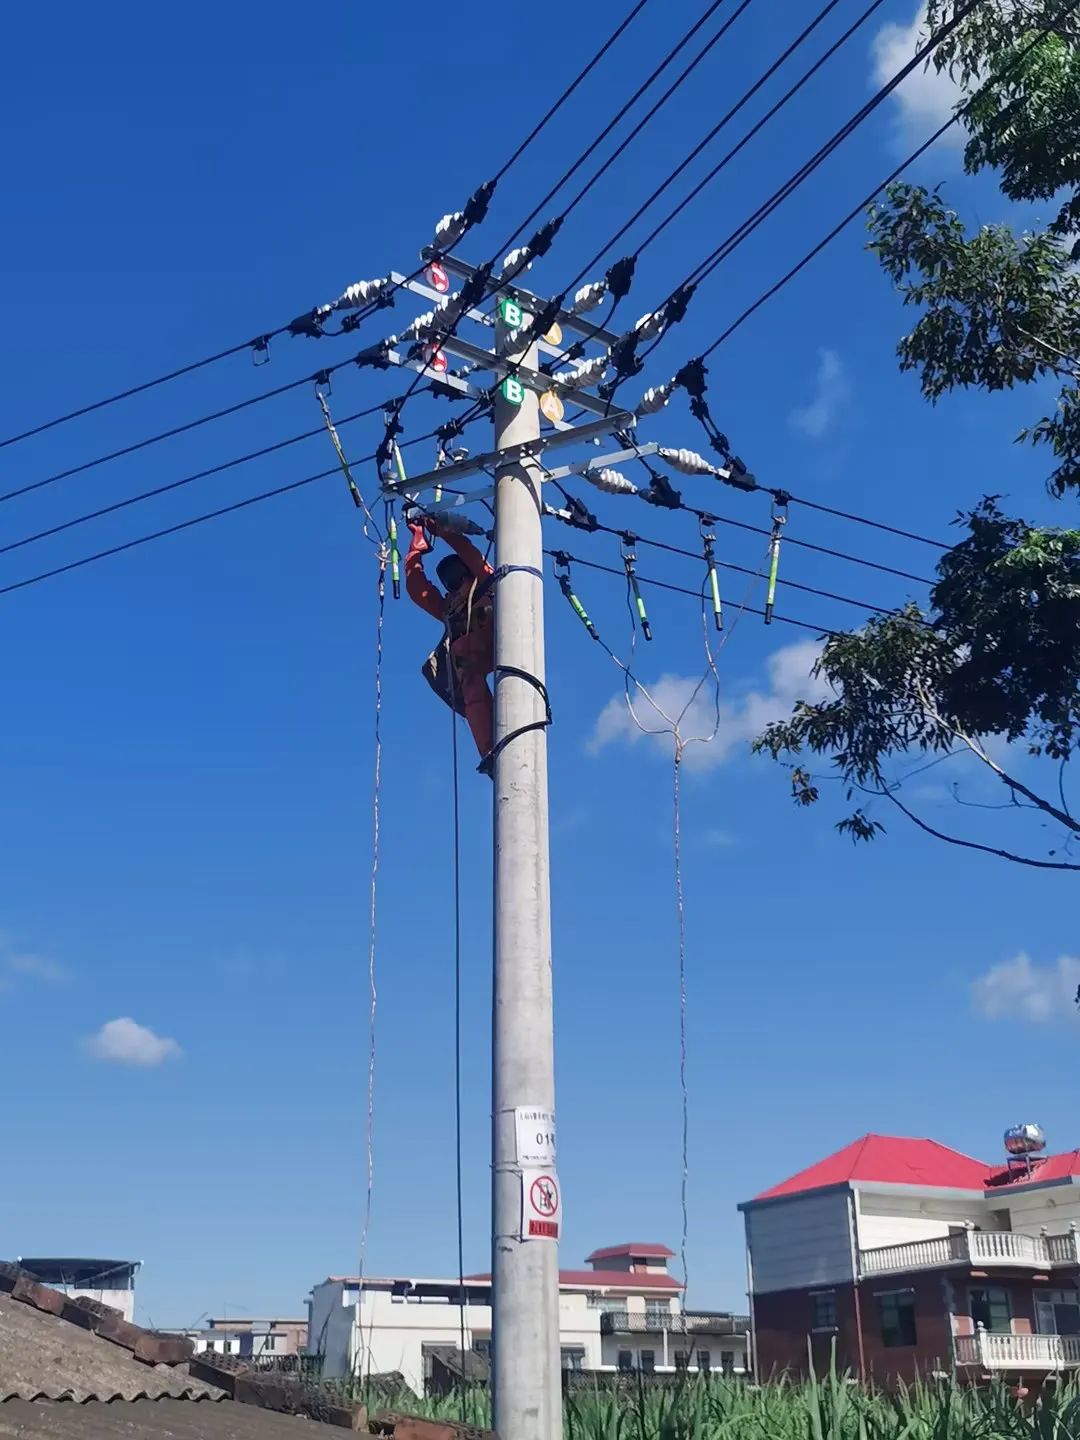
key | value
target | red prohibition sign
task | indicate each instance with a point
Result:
(438, 278)
(544, 1196)
(436, 361)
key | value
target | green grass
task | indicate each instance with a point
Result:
(826, 1408)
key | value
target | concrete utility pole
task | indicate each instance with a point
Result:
(525, 1272)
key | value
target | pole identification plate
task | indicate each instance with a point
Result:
(534, 1131)
(541, 1205)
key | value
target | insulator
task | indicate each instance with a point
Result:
(688, 461)
(650, 325)
(611, 481)
(589, 297)
(586, 373)
(440, 319)
(517, 261)
(362, 292)
(418, 328)
(655, 399)
(449, 230)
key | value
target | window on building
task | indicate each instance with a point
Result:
(270, 1342)
(1057, 1312)
(990, 1308)
(704, 1361)
(680, 1359)
(727, 1361)
(482, 1346)
(897, 1309)
(625, 1360)
(824, 1310)
(572, 1357)
(648, 1361)
(654, 1309)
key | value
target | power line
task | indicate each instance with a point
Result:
(724, 120)
(262, 341)
(860, 209)
(204, 475)
(188, 524)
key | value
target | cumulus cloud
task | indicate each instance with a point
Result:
(926, 98)
(1019, 990)
(741, 720)
(125, 1042)
(831, 395)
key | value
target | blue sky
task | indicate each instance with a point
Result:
(186, 766)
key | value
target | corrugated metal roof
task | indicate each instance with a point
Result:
(164, 1419)
(43, 1355)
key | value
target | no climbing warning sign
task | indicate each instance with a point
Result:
(541, 1205)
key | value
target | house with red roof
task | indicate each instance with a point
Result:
(624, 1312)
(908, 1258)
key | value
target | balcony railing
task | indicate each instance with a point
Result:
(1018, 1352)
(994, 1248)
(640, 1322)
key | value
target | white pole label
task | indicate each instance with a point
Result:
(535, 1133)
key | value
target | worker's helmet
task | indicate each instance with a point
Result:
(452, 572)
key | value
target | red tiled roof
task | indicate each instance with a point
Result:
(604, 1280)
(647, 1252)
(1043, 1168)
(890, 1160)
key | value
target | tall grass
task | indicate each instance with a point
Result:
(831, 1407)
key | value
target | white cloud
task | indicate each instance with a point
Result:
(741, 721)
(125, 1042)
(832, 394)
(1018, 990)
(37, 967)
(926, 98)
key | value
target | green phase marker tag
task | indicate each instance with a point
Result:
(513, 390)
(511, 314)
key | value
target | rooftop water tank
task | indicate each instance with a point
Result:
(1024, 1139)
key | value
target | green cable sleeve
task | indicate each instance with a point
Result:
(714, 585)
(395, 555)
(774, 565)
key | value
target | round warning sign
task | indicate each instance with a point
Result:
(551, 406)
(541, 1205)
(554, 335)
(435, 360)
(437, 278)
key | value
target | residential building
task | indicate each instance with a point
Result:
(111, 1282)
(623, 1313)
(257, 1338)
(911, 1258)
(71, 1369)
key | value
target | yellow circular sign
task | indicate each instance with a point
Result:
(554, 335)
(551, 406)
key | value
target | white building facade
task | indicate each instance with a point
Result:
(111, 1282)
(625, 1313)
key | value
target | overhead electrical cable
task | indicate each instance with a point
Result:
(261, 341)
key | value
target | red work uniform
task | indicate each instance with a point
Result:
(469, 626)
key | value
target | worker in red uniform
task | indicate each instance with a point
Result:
(458, 669)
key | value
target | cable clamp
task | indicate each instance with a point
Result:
(261, 346)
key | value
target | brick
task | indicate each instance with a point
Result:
(41, 1297)
(413, 1428)
(9, 1273)
(120, 1331)
(82, 1310)
(155, 1349)
(268, 1393)
(345, 1417)
(220, 1370)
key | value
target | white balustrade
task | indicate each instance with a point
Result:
(990, 1248)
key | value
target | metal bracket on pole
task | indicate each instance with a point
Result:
(533, 379)
(500, 459)
(525, 298)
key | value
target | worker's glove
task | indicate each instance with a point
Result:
(421, 544)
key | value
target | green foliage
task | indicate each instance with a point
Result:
(832, 1407)
(999, 654)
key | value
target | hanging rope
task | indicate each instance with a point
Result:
(346, 470)
(672, 726)
(373, 994)
(457, 1043)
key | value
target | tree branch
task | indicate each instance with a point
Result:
(972, 844)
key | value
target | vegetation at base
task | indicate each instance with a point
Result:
(834, 1407)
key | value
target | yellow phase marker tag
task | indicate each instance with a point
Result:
(551, 405)
(554, 335)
